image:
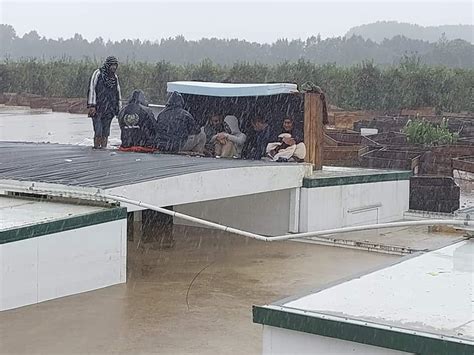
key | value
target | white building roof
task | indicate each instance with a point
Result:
(425, 302)
(230, 90)
(18, 213)
(432, 292)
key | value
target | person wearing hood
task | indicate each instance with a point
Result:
(103, 100)
(215, 125)
(177, 130)
(137, 123)
(229, 145)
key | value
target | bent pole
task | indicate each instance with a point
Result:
(429, 222)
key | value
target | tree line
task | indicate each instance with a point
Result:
(342, 51)
(380, 30)
(364, 86)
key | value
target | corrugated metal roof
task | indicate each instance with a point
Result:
(84, 166)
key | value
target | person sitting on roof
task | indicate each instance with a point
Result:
(214, 126)
(229, 145)
(289, 145)
(137, 124)
(255, 147)
(177, 129)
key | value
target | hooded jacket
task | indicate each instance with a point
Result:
(175, 125)
(211, 133)
(235, 135)
(137, 123)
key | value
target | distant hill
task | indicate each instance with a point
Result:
(378, 31)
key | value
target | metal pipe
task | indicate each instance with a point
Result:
(430, 222)
(186, 217)
(99, 194)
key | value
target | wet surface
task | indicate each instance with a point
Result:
(22, 124)
(465, 181)
(162, 310)
(83, 166)
(421, 238)
(432, 293)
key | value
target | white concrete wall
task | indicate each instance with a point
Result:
(348, 205)
(284, 341)
(214, 184)
(61, 264)
(265, 213)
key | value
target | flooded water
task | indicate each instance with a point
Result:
(22, 124)
(162, 310)
(194, 298)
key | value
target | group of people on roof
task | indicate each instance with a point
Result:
(175, 130)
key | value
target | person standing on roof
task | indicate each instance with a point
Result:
(177, 130)
(137, 124)
(103, 100)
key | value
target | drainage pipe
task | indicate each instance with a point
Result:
(429, 222)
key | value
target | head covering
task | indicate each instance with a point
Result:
(138, 97)
(110, 79)
(110, 60)
(175, 100)
(233, 124)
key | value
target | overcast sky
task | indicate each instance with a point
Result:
(260, 21)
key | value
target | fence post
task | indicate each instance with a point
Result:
(313, 129)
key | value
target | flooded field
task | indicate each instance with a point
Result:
(195, 298)
(22, 124)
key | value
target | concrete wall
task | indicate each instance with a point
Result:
(347, 205)
(51, 266)
(284, 341)
(278, 212)
(214, 184)
(265, 213)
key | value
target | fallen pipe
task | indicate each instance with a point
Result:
(101, 195)
(429, 222)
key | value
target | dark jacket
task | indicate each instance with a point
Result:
(137, 123)
(105, 100)
(175, 124)
(257, 145)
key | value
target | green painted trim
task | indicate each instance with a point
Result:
(61, 225)
(313, 182)
(385, 338)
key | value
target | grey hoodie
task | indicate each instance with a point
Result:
(235, 135)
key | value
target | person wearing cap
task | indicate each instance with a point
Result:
(103, 100)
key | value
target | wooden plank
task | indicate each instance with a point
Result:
(308, 137)
(313, 129)
(317, 116)
(462, 164)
